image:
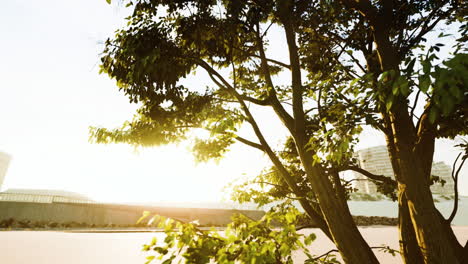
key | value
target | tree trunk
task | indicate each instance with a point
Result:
(412, 151)
(430, 234)
(433, 241)
(460, 252)
(409, 248)
(349, 241)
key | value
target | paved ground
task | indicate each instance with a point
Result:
(44, 247)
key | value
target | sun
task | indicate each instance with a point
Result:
(168, 174)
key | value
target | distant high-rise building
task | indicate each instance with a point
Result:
(443, 171)
(4, 162)
(377, 161)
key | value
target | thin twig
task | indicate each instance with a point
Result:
(455, 186)
(415, 102)
(336, 250)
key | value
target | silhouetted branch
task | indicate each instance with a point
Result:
(370, 175)
(455, 186)
(325, 254)
(250, 143)
(336, 250)
(247, 53)
(415, 103)
(426, 26)
(255, 100)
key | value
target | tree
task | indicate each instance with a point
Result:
(351, 63)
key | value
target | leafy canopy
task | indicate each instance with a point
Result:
(340, 78)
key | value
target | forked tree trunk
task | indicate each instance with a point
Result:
(433, 241)
(413, 178)
(429, 230)
(413, 167)
(409, 248)
(349, 241)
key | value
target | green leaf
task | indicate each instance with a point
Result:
(146, 248)
(389, 103)
(153, 219)
(424, 83)
(145, 214)
(404, 88)
(253, 260)
(309, 239)
(153, 241)
(108, 1)
(410, 67)
(353, 82)
(395, 89)
(168, 261)
(447, 103)
(456, 92)
(149, 259)
(433, 115)
(426, 66)
(383, 76)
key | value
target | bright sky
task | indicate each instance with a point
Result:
(51, 92)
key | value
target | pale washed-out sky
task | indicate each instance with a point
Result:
(51, 92)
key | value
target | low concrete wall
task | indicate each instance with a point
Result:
(104, 214)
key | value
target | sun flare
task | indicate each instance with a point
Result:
(167, 174)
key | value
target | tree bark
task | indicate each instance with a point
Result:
(413, 166)
(460, 252)
(349, 241)
(430, 234)
(412, 152)
(409, 248)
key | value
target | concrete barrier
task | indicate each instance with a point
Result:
(105, 214)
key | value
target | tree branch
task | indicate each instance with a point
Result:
(370, 175)
(250, 143)
(314, 215)
(425, 141)
(336, 250)
(297, 89)
(455, 187)
(364, 7)
(256, 101)
(325, 254)
(415, 103)
(425, 28)
(350, 55)
(247, 53)
(279, 63)
(275, 103)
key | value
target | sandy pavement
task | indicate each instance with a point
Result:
(48, 247)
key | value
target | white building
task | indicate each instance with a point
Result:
(443, 171)
(4, 162)
(377, 161)
(35, 195)
(42, 196)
